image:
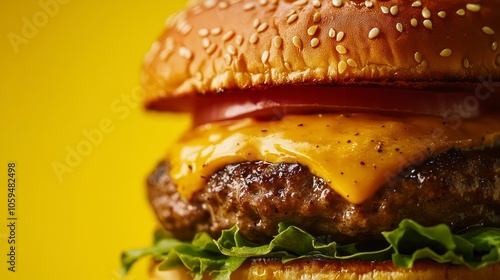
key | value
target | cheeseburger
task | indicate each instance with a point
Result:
(331, 140)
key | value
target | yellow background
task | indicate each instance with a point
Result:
(78, 68)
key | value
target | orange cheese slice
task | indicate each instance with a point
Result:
(355, 154)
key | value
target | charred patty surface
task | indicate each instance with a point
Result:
(458, 188)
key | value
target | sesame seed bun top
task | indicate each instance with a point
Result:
(219, 45)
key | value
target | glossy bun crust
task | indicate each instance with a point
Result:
(220, 45)
(261, 269)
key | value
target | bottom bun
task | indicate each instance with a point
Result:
(323, 269)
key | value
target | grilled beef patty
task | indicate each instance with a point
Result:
(458, 188)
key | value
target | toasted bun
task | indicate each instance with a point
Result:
(342, 270)
(214, 46)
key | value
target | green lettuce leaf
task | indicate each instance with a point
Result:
(163, 243)
(406, 244)
(475, 248)
(291, 243)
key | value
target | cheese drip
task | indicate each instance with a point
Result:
(355, 154)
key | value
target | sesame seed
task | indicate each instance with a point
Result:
(368, 4)
(223, 5)
(373, 33)
(314, 42)
(342, 66)
(263, 2)
(494, 46)
(331, 33)
(228, 36)
(340, 36)
(248, 6)
(297, 42)
(399, 27)
(414, 22)
(185, 28)
(351, 62)
(418, 57)
(169, 43)
(461, 12)
(211, 49)
(265, 57)
(394, 10)
(277, 42)
(487, 30)
(231, 49)
(216, 31)
(341, 49)
(292, 18)
(197, 9)
(228, 58)
(416, 4)
(181, 19)
(442, 14)
(239, 40)
(169, 46)
(312, 30)
(426, 13)
(300, 2)
(287, 65)
(205, 42)
(185, 52)
(317, 3)
(254, 38)
(291, 12)
(209, 4)
(317, 17)
(232, 2)
(384, 9)
(262, 27)
(445, 53)
(337, 3)
(165, 54)
(465, 63)
(256, 23)
(427, 23)
(203, 32)
(473, 7)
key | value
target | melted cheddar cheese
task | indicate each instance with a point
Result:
(355, 154)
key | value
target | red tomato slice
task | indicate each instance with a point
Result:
(274, 103)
